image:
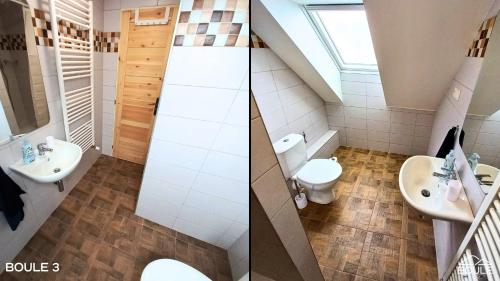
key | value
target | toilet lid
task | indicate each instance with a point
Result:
(319, 171)
(171, 270)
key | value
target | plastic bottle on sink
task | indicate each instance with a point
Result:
(453, 189)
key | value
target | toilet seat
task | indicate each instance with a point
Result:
(171, 270)
(319, 171)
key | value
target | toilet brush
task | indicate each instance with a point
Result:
(300, 198)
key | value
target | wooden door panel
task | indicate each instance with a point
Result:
(144, 70)
(143, 54)
(152, 13)
(154, 36)
(146, 56)
(137, 113)
(146, 88)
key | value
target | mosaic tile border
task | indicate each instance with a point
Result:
(256, 42)
(106, 42)
(219, 23)
(12, 42)
(480, 43)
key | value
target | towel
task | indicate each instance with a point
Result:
(11, 203)
(449, 142)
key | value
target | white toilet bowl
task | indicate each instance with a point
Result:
(319, 176)
(171, 270)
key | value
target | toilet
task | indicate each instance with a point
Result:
(318, 176)
(171, 270)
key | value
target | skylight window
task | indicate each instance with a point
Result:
(344, 30)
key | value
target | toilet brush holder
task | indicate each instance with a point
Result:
(301, 200)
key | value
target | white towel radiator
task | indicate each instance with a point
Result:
(485, 230)
(75, 68)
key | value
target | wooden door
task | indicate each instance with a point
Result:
(143, 53)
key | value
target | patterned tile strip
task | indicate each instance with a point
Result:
(479, 44)
(103, 41)
(256, 41)
(220, 23)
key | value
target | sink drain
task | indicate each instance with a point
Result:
(57, 170)
(426, 193)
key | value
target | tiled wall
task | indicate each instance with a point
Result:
(239, 255)
(196, 174)
(364, 120)
(220, 23)
(103, 41)
(452, 112)
(483, 137)
(287, 104)
(280, 247)
(40, 199)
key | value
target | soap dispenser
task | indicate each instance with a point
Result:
(28, 154)
(473, 160)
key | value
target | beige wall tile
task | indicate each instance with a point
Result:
(271, 190)
(263, 157)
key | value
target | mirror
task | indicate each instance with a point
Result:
(482, 123)
(22, 92)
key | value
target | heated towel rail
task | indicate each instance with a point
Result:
(485, 232)
(72, 30)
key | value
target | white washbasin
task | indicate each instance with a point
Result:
(64, 157)
(416, 174)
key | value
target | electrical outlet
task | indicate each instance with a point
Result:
(456, 93)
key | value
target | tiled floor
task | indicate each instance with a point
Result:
(369, 232)
(94, 234)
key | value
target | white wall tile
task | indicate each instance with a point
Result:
(354, 100)
(111, 5)
(233, 140)
(239, 111)
(109, 78)
(286, 78)
(209, 104)
(228, 189)
(223, 68)
(112, 20)
(186, 131)
(226, 165)
(214, 205)
(199, 147)
(262, 83)
(370, 112)
(169, 153)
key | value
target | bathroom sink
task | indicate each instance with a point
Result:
(416, 175)
(54, 165)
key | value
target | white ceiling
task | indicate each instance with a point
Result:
(420, 46)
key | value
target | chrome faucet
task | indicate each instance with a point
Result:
(448, 169)
(42, 148)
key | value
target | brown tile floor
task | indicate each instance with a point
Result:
(94, 234)
(369, 232)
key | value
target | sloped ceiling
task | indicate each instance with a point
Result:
(286, 30)
(420, 45)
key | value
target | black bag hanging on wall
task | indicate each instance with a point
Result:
(449, 142)
(11, 203)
